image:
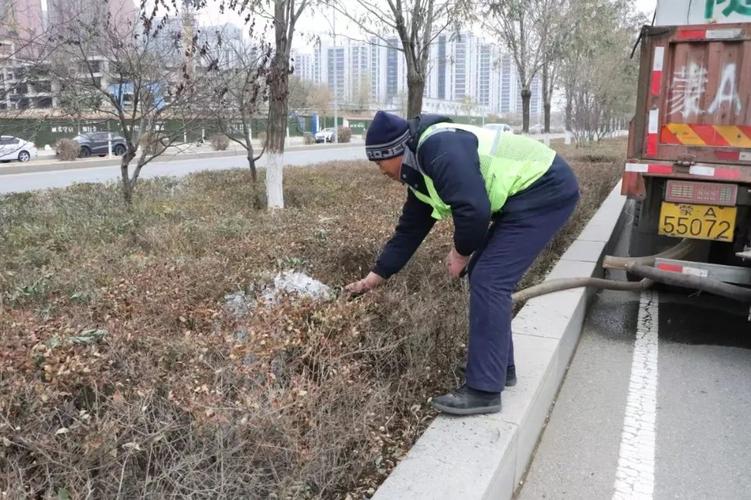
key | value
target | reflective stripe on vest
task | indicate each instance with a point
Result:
(508, 163)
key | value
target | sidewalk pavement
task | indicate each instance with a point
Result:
(46, 161)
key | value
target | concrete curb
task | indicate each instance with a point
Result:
(486, 456)
(57, 165)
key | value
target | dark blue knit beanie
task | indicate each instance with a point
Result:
(387, 136)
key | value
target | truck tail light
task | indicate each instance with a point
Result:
(705, 193)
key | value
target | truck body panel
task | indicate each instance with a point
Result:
(694, 96)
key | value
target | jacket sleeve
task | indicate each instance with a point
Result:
(450, 159)
(414, 224)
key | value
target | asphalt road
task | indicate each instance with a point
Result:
(656, 403)
(10, 183)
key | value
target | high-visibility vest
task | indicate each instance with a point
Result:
(508, 163)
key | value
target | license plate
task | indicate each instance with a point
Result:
(701, 222)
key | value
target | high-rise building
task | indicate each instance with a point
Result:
(485, 67)
(305, 66)
(336, 70)
(440, 66)
(392, 69)
(465, 74)
(359, 81)
(376, 66)
(507, 87)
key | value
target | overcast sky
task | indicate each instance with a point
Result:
(319, 22)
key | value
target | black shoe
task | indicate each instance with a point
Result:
(467, 401)
(510, 374)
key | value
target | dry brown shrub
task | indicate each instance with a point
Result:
(219, 142)
(153, 143)
(180, 397)
(344, 134)
(67, 149)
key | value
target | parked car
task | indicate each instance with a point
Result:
(325, 135)
(536, 129)
(14, 148)
(503, 127)
(96, 143)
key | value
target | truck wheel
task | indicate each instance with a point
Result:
(641, 243)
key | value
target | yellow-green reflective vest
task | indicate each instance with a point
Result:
(508, 163)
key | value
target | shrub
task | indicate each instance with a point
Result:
(219, 142)
(67, 149)
(308, 138)
(138, 373)
(344, 134)
(152, 143)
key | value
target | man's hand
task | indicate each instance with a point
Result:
(366, 284)
(455, 262)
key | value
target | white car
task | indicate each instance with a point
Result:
(503, 127)
(325, 135)
(13, 148)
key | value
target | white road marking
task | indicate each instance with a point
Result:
(635, 476)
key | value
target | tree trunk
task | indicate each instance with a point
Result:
(275, 179)
(276, 134)
(127, 186)
(252, 165)
(546, 97)
(277, 124)
(526, 97)
(275, 144)
(415, 90)
(251, 158)
(569, 109)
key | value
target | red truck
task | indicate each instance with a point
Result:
(689, 147)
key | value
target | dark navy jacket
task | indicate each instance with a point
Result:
(450, 159)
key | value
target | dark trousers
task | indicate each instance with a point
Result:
(514, 241)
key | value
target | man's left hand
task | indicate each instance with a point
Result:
(455, 262)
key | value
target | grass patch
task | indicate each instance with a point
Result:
(123, 374)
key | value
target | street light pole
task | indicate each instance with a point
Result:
(336, 86)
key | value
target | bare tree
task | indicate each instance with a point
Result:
(284, 15)
(139, 83)
(319, 100)
(299, 90)
(362, 92)
(417, 23)
(554, 39)
(603, 95)
(522, 25)
(239, 90)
